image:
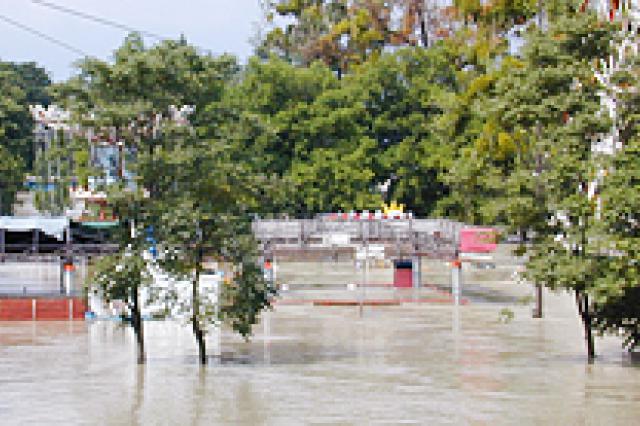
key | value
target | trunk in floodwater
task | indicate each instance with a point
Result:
(136, 323)
(538, 313)
(587, 329)
(197, 330)
(582, 300)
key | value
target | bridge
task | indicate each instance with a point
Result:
(427, 237)
(436, 238)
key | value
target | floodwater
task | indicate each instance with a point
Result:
(409, 364)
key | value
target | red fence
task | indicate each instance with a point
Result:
(43, 309)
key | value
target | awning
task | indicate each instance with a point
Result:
(100, 224)
(54, 226)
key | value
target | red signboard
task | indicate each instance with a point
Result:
(478, 240)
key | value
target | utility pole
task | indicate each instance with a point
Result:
(3, 248)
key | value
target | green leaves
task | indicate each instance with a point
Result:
(19, 85)
(121, 274)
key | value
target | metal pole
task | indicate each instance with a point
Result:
(61, 275)
(68, 242)
(3, 248)
(365, 241)
(273, 268)
(68, 277)
(35, 241)
(416, 271)
(266, 338)
(301, 238)
(456, 280)
(416, 280)
(366, 263)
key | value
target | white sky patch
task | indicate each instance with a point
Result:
(219, 26)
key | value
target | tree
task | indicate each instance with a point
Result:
(202, 212)
(11, 178)
(294, 122)
(616, 298)
(339, 33)
(177, 182)
(549, 109)
(32, 79)
(334, 180)
(15, 136)
(121, 276)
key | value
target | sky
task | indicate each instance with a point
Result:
(219, 26)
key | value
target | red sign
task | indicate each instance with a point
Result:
(478, 240)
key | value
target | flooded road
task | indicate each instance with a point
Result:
(414, 364)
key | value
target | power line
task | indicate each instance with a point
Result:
(97, 19)
(43, 35)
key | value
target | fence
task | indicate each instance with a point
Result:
(41, 275)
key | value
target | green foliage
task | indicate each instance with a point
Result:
(32, 79)
(143, 81)
(185, 184)
(617, 281)
(15, 134)
(301, 123)
(11, 178)
(117, 276)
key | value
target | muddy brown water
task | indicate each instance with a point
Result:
(409, 364)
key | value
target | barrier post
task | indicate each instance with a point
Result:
(68, 276)
(416, 272)
(456, 280)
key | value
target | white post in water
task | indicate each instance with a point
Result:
(217, 350)
(266, 337)
(365, 271)
(273, 271)
(456, 280)
(68, 277)
(416, 271)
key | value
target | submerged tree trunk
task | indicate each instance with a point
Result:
(582, 300)
(538, 312)
(136, 322)
(588, 335)
(197, 330)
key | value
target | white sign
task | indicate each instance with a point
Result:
(374, 251)
(336, 239)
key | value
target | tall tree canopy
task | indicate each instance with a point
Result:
(181, 183)
(20, 86)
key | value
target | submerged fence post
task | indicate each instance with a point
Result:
(68, 276)
(417, 272)
(456, 280)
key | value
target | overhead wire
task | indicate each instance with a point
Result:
(43, 35)
(98, 19)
